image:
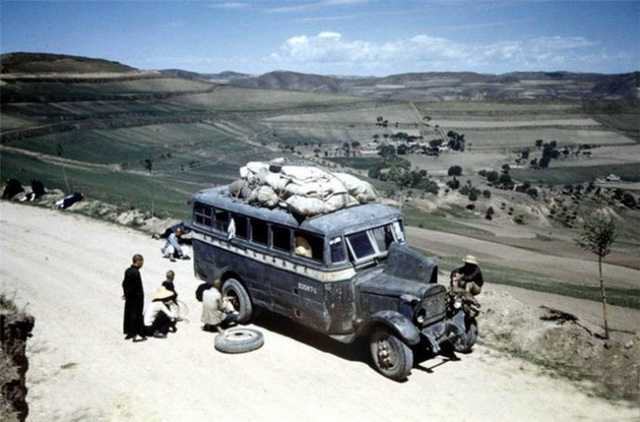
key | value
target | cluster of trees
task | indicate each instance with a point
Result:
(467, 189)
(551, 151)
(500, 180)
(398, 170)
(403, 136)
(456, 141)
(381, 121)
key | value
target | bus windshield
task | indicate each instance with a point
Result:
(374, 242)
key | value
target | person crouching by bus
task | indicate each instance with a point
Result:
(159, 318)
(217, 312)
(172, 248)
(468, 277)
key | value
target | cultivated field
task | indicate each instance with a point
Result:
(146, 143)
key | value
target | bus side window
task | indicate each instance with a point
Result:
(221, 220)
(281, 238)
(202, 215)
(309, 246)
(241, 226)
(338, 251)
(259, 231)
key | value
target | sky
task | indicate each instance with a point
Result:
(333, 37)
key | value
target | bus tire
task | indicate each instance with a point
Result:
(392, 357)
(235, 292)
(238, 340)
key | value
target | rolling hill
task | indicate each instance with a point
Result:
(144, 142)
(57, 63)
(460, 85)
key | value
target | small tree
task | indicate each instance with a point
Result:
(598, 233)
(148, 165)
(454, 171)
(60, 151)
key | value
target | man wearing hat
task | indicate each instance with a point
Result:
(468, 277)
(158, 318)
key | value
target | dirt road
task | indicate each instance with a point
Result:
(67, 270)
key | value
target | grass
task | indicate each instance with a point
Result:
(358, 163)
(571, 175)
(496, 274)
(418, 218)
(128, 190)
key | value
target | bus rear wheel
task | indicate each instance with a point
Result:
(235, 292)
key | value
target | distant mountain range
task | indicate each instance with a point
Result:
(432, 86)
(439, 86)
(428, 86)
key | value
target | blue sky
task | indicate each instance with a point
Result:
(339, 37)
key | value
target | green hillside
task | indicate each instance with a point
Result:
(57, 63)
(148, 142)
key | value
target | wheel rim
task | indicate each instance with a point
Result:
(386, 356)
(232, 296)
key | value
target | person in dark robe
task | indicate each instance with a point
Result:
(12, 188)
(37, 190)
(133, 295)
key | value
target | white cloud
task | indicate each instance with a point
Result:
(328, 34)
(424, 53)
(230, 5)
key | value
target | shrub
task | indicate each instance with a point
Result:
(486, 193)
(629, 200)
(455, 171)
(490, 213)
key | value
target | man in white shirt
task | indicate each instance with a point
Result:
(217, 312)
(158, 317)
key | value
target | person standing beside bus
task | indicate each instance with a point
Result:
(133, 296)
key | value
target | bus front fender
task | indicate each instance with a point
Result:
(398, 323)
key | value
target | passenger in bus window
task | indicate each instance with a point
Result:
(302, 247)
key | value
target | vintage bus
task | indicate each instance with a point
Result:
(346, 274)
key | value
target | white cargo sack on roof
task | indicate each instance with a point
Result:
(359, 189)
(303, 190)
(321, 188)
(240, 189)
(302, 173)
(314, 206)
(264, 196)
(276, 181)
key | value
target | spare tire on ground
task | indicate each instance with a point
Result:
(238, 340)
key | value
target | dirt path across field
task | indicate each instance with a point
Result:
(67, 269)
(553, 264)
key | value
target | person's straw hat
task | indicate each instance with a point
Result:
(162, 293)
(470, 259)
